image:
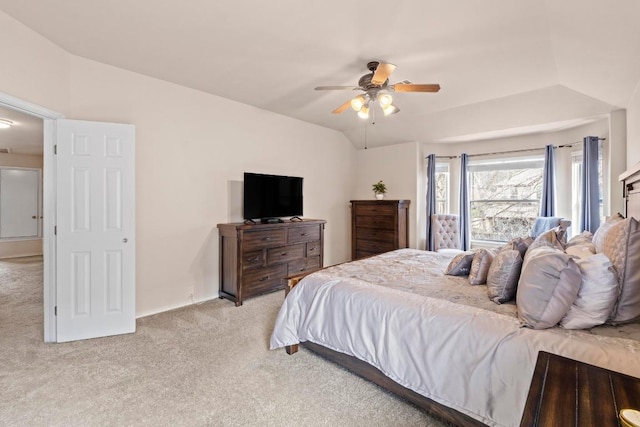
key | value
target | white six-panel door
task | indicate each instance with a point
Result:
(95, 237)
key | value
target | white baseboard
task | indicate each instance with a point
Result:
(173, 307)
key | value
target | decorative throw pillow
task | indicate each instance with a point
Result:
(548, 238)
(622, 246)
(480, 266)
(503, 275)
(597, 295)
(460, 265)
(548, 285)
(581, 251)
(581, 239)
(601, 233)
(519, 244)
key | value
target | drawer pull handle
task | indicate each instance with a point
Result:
(253, 258)
(266, 238)
(264, 278)
(303, 234)
(283, 254)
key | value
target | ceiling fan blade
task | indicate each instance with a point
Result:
(338, 88)
(382, 73)
(343, 107)
(402, 87)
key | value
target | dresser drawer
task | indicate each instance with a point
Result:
(314, 248)
(261, 279)
(285, 254)
(260, 239)
(377, 234)
(373, 247)
(303, 265)
(252, 259)
(303, 234)
(382, 222)
(375, 209)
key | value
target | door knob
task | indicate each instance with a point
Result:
(33, 217)
(125, 240)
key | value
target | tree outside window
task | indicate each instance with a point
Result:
(505, 197)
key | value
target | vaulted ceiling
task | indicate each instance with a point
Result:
(505, 66)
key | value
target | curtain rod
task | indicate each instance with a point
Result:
(525, 150)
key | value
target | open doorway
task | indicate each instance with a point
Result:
(21, 215)
(44, 118)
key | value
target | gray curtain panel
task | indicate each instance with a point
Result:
(431, 198)
(590, 200)
(548, 199)
(465, 206)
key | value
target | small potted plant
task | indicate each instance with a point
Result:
(379, 188)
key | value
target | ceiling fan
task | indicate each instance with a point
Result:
(375, 86)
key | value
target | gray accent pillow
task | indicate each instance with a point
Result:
(502, 279)
(480, 266)
(548, 285)
(521, 244)
(460, 265)
(622, 246)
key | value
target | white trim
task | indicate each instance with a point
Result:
(48, 207)
(48, 225)
(9, 101)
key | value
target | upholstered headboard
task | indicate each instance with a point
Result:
(631, 182)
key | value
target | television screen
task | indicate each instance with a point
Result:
(271, 196)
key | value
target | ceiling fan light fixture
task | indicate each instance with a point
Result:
(385, 100)
(390, 109)
(364, 112)
(5, 124)
(357, 103)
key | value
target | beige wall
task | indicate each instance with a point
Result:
(398, 167)
(18, 248)
(191, 151)
(33, 68)
(633, 129)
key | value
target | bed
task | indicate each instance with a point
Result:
(437, 341)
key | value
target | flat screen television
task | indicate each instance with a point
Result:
(268, 197)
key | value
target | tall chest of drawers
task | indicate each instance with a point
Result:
(256, 258)
(378, 226)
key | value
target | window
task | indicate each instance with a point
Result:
(442, 188)
(505, 197)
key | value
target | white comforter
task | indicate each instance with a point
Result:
(475, 360)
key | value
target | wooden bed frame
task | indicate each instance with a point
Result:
(631, 183)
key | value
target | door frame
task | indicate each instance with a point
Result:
(49, 118)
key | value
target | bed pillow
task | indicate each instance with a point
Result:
(581, 251)
(460, 265)
(480, 266)
(583, 238)
(622, 246)
(503, 275)
(548, 238)
(596, 296)
(601, 233)
(520, 244)
(548, 285)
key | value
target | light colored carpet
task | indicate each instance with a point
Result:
(203, 365)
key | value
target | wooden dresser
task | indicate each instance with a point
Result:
(378, 226)
(256, 258)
